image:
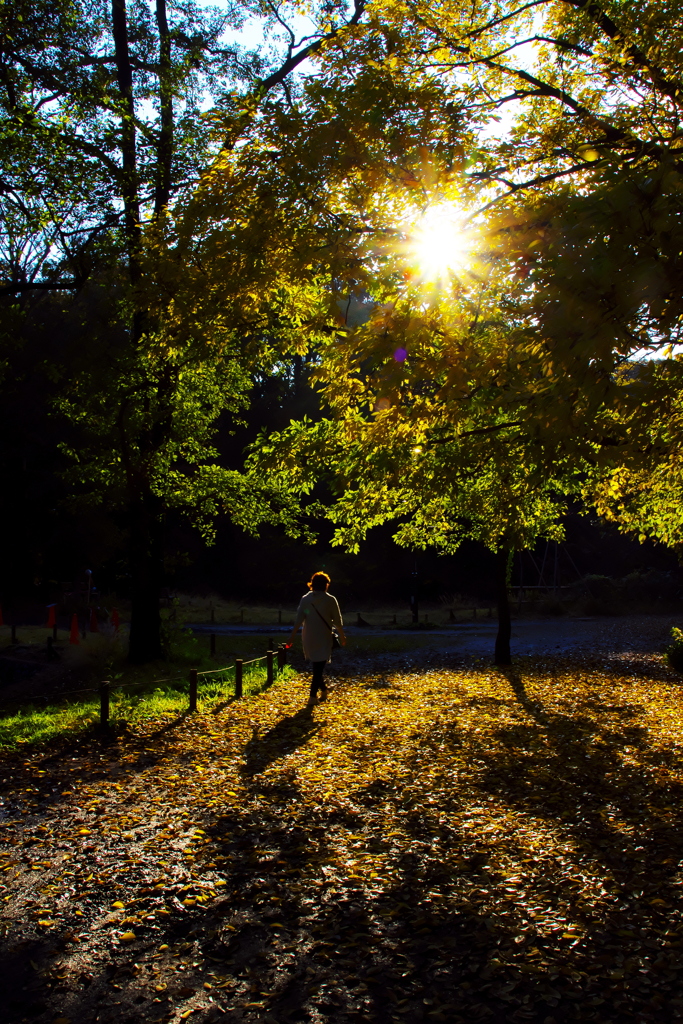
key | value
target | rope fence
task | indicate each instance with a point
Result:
(275, 662)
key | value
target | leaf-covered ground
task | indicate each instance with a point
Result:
(438, 846)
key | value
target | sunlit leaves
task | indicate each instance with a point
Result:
(521, 830)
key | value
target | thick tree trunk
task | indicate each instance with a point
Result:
(146, 565)
(502, 653)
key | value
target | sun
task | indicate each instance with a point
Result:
(439, 243)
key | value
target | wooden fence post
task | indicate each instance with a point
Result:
(269, 668)
(193, 689)
(104, 703)
(238, 677)
(280, 657)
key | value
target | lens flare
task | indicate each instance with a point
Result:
(439, 243)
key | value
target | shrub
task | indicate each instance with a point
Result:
(674, 652)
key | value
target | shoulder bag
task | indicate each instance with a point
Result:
(333, 631)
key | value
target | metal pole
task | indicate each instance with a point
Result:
(193, 689)
(269, 668)
(238, 677)
(280, 657)
(104, 703)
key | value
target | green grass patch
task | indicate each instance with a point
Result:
(32, 725)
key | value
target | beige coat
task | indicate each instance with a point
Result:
(316, 637)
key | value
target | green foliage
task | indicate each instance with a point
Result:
(518, 384)
(674, 652)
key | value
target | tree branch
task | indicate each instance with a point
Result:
(293, 62)
(670, 88)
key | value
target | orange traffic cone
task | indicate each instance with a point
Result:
(74, 637)
(94, 628)
(115, 621)
(51, 615)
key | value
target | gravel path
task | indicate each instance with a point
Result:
(632, 638)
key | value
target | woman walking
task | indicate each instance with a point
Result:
(318, 612)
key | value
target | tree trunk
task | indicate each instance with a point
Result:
(162, 192)
(146, 566)
(129, 177)
(502, 653)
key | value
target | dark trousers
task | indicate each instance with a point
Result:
(317, 683)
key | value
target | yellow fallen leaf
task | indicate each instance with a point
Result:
(45, 923)
(127, 937)
(118, 905)
(189, 903)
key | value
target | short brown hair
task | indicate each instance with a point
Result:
(319, 580)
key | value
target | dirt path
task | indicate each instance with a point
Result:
(440, 846)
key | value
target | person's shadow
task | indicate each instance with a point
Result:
(285, 737)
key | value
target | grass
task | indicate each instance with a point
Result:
(35, 726)
(194, 610)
